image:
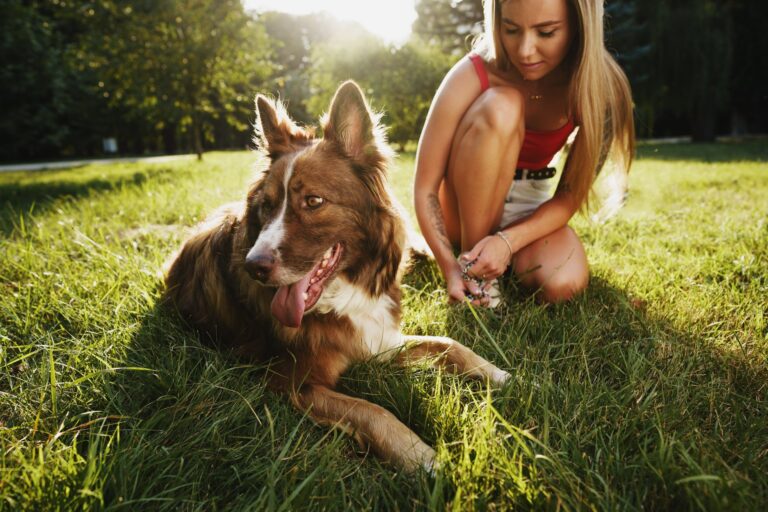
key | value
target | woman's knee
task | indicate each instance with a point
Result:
(500, 110)
(503, 108)
(554, 285)
(562, 288)
(555, 267)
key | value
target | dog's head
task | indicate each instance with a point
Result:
(321, 211)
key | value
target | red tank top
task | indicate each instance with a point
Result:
(538, 147)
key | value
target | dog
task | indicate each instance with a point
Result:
(305, 273)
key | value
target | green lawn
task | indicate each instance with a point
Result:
(650, 391)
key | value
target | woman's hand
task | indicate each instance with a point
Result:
(491, 255)
(460, 289)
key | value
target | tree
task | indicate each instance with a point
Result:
(48, 109)
(315, 53)
(628, 40)
(404, 81)
(185, 62)
(399, 81)
(292, 41)
(31, 83)
(749, 96)
(693, 52)
(347, 55)
(449, 24)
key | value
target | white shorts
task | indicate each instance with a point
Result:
(523, 197)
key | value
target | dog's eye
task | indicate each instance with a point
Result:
(265, 206)
(313, 202)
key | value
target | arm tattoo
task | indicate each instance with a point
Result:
(436, 219)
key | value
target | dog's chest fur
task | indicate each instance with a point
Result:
(376, 319)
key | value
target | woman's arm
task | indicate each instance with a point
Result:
(547, 218)
(494, 253)
(457, 92)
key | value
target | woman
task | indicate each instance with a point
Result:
(482, 183)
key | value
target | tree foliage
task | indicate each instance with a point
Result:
(678, 56)
(185, 62)
(168, 75)
(749, 72)
(449, 24)
(294, 41)
(45, 102)
(693, 54)
(399, 81)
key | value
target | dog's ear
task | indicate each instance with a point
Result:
(351, 124)
(388, 246)
(275, 131)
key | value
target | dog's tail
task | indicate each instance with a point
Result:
(416, 246)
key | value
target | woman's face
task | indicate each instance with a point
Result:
(536, 34)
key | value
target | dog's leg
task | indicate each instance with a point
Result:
(369, 423)
(452, 355)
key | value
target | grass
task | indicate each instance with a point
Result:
(647, 392)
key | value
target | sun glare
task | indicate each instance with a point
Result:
(391, 20)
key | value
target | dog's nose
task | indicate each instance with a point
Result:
(259, 264)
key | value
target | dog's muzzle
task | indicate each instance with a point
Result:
(259, 264)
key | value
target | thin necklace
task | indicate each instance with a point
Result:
(534, 95)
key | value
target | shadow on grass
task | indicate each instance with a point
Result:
(633, 411)
(746, 151)
(202, 430)
(44, 188)
(627, 412)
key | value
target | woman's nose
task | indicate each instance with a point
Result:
(527, 46)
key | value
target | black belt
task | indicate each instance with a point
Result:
(535, 174)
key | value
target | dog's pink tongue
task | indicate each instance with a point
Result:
(288, 303)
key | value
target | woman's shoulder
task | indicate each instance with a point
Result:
(499, 78)
(464, 76)
(465, 67)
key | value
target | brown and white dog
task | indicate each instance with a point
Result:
(306, 273)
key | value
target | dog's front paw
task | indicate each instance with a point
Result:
(500, 377)
(421, 456)
(432, 466)
(429, 461)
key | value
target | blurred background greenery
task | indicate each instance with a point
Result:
(177, 76)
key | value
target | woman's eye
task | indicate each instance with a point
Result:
(313, 201)
(511, 31)
(547, 34)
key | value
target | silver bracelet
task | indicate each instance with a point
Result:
(503, 236)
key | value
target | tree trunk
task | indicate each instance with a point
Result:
(170, 144)
(703, 124)
(197, 137)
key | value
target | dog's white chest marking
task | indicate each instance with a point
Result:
(373, 318)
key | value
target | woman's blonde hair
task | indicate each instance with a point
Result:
(600, 96)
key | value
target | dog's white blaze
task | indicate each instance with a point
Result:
(372, 317)
(272, 234)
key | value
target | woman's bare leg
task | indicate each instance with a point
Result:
(480, 171)
(555, 266)
(482, 164)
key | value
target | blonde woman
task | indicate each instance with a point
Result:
(539, 73)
